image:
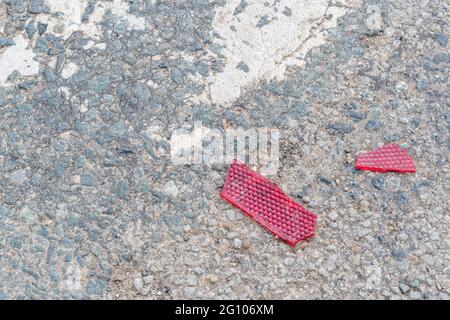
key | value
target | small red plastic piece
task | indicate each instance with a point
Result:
(389, 157)
(263, 201)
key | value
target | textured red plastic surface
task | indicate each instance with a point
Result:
(262, 200)
(386, 158)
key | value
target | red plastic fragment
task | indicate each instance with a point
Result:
(263, 201)
(389, 157)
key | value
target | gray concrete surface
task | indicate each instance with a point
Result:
(92, 207)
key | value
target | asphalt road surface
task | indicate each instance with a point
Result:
(93, 206)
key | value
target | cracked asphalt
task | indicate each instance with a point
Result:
(92, 207)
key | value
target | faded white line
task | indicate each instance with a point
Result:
(18, 57)
(265, 52)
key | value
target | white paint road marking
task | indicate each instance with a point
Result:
(18, 57)
(270, 49)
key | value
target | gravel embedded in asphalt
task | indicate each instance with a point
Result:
(92, 207)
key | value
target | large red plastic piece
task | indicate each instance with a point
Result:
(389, 157)
(262, 200)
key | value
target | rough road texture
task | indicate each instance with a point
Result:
(90, 92)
